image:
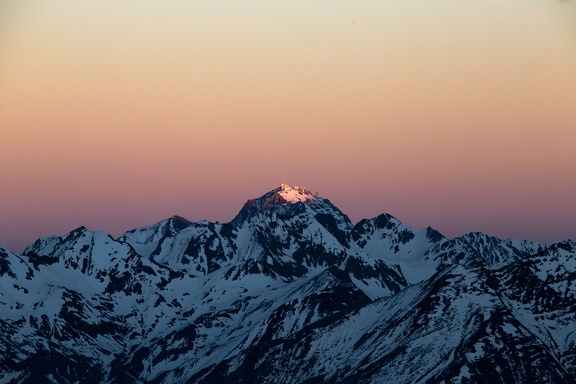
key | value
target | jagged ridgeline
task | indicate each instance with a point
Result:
(290, 291)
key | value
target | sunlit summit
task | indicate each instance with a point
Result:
(294, 194)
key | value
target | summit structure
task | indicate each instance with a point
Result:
(293, 194)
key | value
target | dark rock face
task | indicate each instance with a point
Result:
(289, 291)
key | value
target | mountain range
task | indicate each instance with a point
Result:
(289, 291)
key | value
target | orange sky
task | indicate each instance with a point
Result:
(458, 115)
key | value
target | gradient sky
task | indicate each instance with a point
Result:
(456, 114)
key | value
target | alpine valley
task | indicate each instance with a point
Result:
(289, 291)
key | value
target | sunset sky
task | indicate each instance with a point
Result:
(460, 115)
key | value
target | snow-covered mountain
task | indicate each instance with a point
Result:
(288, 291)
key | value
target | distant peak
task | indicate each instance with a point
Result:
(281, 196)
(179, 223)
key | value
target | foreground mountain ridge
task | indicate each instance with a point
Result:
(288, 291)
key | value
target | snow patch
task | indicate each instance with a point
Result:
(295, 194)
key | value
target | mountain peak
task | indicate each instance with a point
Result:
(294, 194)
(287, 198)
